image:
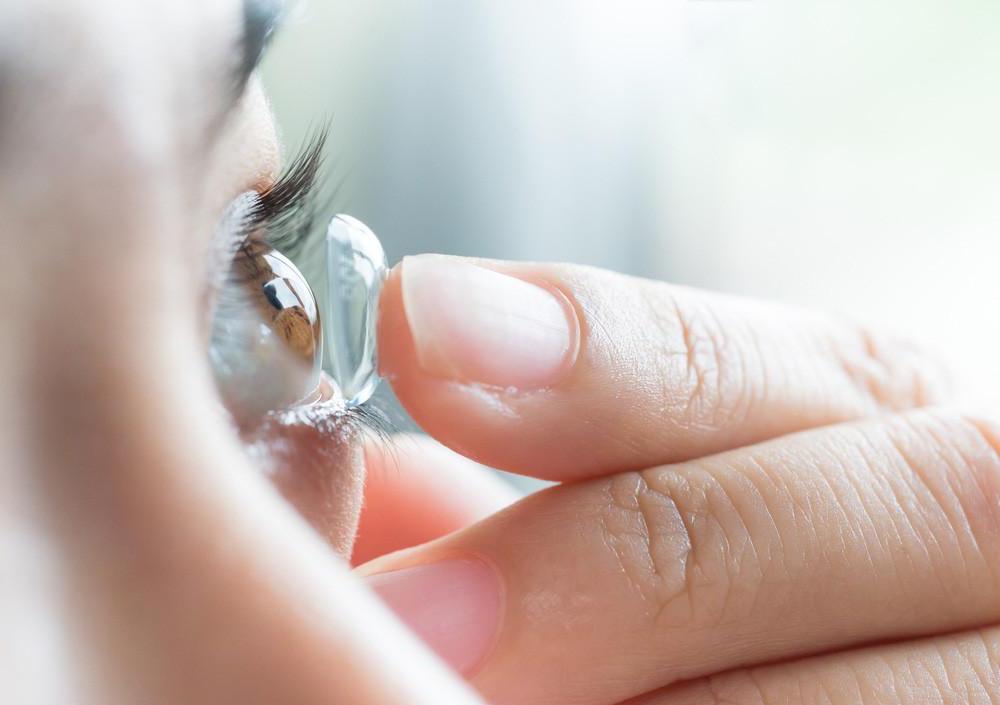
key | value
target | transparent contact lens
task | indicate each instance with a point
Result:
(273, 335)
(267, 345)
(355, 271)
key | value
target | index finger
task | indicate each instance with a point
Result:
(564, 372)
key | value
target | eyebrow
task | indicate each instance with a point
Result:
(260, 20)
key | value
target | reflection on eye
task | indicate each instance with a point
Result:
(266, 342)
(267, 346)
(287, 303)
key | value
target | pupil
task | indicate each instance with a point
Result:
(280, 295)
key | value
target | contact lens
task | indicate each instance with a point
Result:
(355, 271)
(266, 335)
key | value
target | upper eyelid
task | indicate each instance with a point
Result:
(290, 206)
(282, 216)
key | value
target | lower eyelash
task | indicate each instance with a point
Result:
(335, 418)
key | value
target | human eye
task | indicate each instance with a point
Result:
(268, 346)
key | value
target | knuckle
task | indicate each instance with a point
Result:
(893, 372)
(680, 536)
(705, 372)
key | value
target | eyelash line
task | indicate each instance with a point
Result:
(288, 210)
(285, 217)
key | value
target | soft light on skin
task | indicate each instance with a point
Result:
(151, 556)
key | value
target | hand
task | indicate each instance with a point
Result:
(851, 563)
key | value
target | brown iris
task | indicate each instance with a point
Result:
(282, 297)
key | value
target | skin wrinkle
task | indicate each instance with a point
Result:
(879, 459)
(708, 571)
(850, 492)
(197, 583)
(978, 506)
(761, 372)
(637, 528)
(963, 669)
(658, 514)
(664, 335)
(965, 660)
(956, 520)
(737, 565)
(694, 373)
(736, 390)
(873, 456)
(876, 373)
(802, 508)
(838, 465)
(900, 514)
(952, 669)
(992, 648)
(871, 460)
(617, 538)
(988, 430)
(777, 552)
(705, 367)
(929, 539)
(596, 334)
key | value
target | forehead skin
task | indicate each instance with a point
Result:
(112, 127)
(152, 539)
(151, 560)
(117, 157)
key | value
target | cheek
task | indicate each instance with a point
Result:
(318, 467)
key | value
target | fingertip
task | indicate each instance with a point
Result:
(396, 353)
(472, 323)
(468, 417)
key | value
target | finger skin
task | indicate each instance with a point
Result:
(957, 669)
(883, 529)
(416, 490)
(663, 374)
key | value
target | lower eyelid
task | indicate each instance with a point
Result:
(313, 456)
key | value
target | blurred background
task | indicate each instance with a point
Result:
(843, 154)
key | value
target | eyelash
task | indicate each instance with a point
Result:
(288, 211)
(285, 217)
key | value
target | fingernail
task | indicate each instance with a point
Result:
(474, 324)
(453, 606)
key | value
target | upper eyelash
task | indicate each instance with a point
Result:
(285, 215)
(281, 218)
